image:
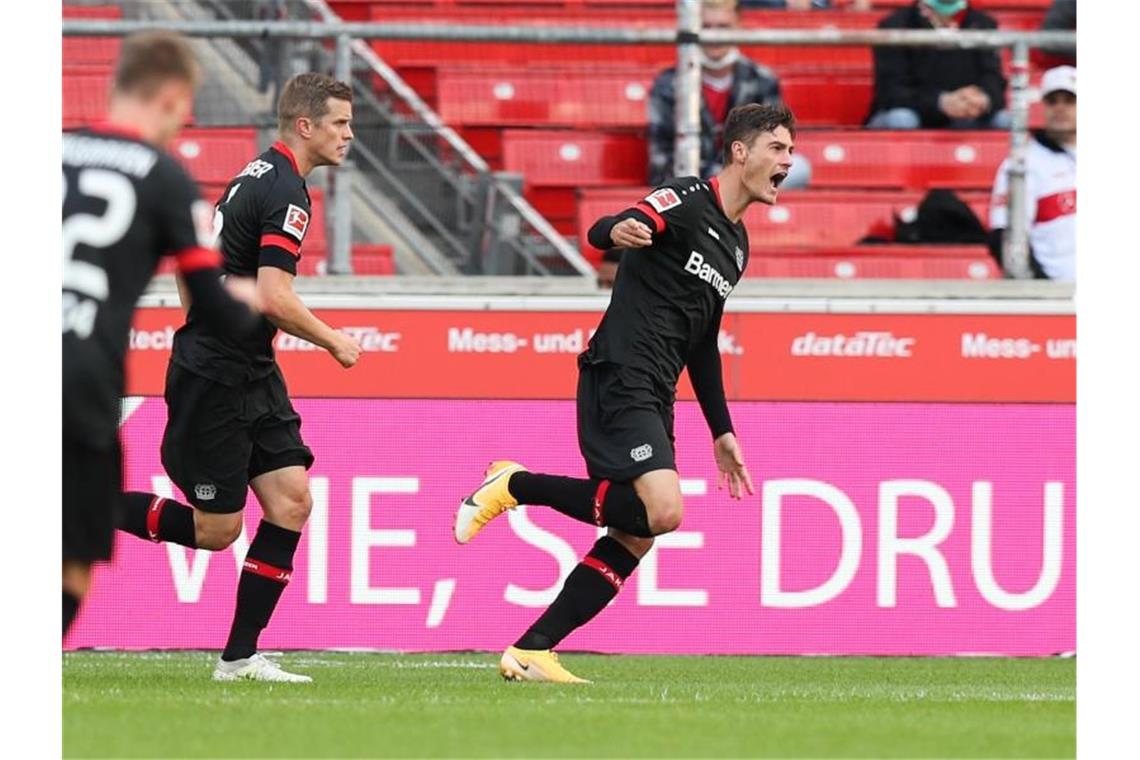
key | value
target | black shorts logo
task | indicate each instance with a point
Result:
(641, 453)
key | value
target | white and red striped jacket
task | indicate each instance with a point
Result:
(1051, 183)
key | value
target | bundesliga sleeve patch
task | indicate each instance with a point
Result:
(664, 199)
(296, 221)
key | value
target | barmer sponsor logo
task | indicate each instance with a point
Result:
(696, 265)
(880, 344)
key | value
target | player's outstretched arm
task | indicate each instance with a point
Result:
(708, 385)
(280, 304)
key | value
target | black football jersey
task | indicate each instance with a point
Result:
(125, 205)
(261, 219)
(669, 296)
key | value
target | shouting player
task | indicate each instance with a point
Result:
(686, 248)
(230, 423)
(126, 203)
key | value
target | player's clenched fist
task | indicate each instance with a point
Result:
(630, 233)
(346, 350)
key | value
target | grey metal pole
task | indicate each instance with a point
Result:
(340, 255)
(687, 110)
(1015, 254)
(343, 66)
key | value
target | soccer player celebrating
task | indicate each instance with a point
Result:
(686, 250)
(126, 203)
(230, 424)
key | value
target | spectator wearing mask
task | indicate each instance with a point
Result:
(728, 79)
(937, 88)
(1051, 184)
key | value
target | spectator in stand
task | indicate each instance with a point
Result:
(1061, 17)
(938, 88)
(807, 5)
(728, 79)
(1051, 184)
(607, 270)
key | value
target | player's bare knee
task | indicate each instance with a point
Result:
(665, 515)
(292, 510)
(216, 532)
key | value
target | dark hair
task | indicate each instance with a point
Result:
(148, 60)
(747, 121)
(307, 95)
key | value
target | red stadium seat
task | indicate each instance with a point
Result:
(919, 159)
(90, 51)
(85, 93)
(613, 97)
(574, 159)
(92, 11)
(981, 267)
(214, 155)
(520, 97)
(829, 100)
(373, 259)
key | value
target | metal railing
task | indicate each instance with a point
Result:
(490, 209)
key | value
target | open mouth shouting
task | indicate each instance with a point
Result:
(777, 179)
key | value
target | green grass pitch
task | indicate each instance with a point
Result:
(384, 705)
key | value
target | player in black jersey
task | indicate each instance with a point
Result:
(126, 204)
(230, 424)
(686, 250)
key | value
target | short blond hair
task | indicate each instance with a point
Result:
(307, 96)
(149, 60)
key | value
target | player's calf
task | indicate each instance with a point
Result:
(268, 566)
(605, 503)
(153, 518)
(76, 581)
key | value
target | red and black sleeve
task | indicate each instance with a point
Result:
(283, 229)
(673, 205)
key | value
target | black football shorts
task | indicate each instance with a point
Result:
(625, 423)
(219, 437)
(92, 479)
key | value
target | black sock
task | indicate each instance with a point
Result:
(157, 519)
(70, 609)
(589, 587)
(268, 567)
(597, 502)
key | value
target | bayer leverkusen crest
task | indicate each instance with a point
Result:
(739, 260)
